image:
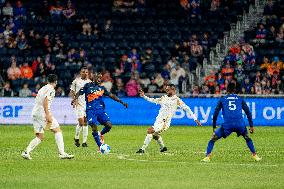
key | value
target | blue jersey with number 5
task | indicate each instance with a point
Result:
(232, 106)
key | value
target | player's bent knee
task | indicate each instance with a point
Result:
(40, 136)
(214, 138)
(108, 124)
(156, 137)
(150, 130)
(247, 138)
(55, 130)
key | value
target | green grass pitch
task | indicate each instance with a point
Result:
(231, 165)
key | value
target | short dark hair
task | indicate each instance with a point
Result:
(231, 88)
(171, 85)
(84, 68)
(51, 78)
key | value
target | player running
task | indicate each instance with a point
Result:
(43, 120)
(169, 104)
(80, 107)
(231, 106)
(95, 111)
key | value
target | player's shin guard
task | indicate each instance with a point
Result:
(250, 146)
(77, 131)
(59, 142)
(147, 141)
(85, 133)
(210, 147)
(36, 141)
(161, 142)
(105, 130)
(96, 137)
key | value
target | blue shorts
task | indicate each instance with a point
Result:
(97, 116)
(227, 128)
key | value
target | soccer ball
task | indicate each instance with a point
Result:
(105, 149)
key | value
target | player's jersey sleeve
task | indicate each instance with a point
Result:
(106, 92)
(153, 100)
(73, 85)
(216, 112)
(183, 106)
(83, 90)
(248, 113)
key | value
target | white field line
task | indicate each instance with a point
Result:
(127, 158)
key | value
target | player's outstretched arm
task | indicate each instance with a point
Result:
(153, 100)
(249, 116)
(114, 97)
(183, 106)
(216, 113)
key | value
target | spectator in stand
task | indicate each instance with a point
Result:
(265, 64)
(271, 34)
(20, 11)
(239, 74)
(36, 63)
(220, 80)
(26, 71)
(36, 89)
(152, 87)
(195, 91)
(144, 82)
(159, 80)
(279, 64)
(196, 52)
(261, 32)
(215, 5)
(272, 69)
(275, 80)
(69, 11)
(56, 10)
(132, 87)
(2, 82)
(227, 72)
(195, 11)
(210, 81)
(108, 25)
(40, 71)
(257, 88)
(118, 88)
(107, 80)
(177, 76)
(13, 71)
(6, 90)
(148, 66)
(246, 86)
(59, 92)
(22, 42)
(280, 35)
(134, 53)
(86, 28)
(166, 72)
(7, 10)
(25, 91)
(185, 4)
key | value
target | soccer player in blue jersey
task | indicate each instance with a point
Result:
(95, 107)
(232, 106)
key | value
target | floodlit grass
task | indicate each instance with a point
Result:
(231, 165)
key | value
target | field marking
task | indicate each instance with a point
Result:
(125, 157)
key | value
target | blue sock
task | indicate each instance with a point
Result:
(97, 138)
(210, 147)
(250, 146)
(105, 130)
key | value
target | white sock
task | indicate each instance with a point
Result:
(77, 131)
(59, 142)
(36, 141)
(160, 142)
(147, 141)
(85, 133)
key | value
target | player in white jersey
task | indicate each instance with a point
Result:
(43, 120)
(169, 104)
(80, 106)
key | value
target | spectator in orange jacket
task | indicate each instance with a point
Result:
(26, 71)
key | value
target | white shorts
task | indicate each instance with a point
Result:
(80, 112)
(40, 124)
(161, 125)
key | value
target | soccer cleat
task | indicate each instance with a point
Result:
(206, 159)
(66, 156)
(140, 151)
(26, 155)
(256, 158)
(164, 149)
(76, 142)
(84, 145)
